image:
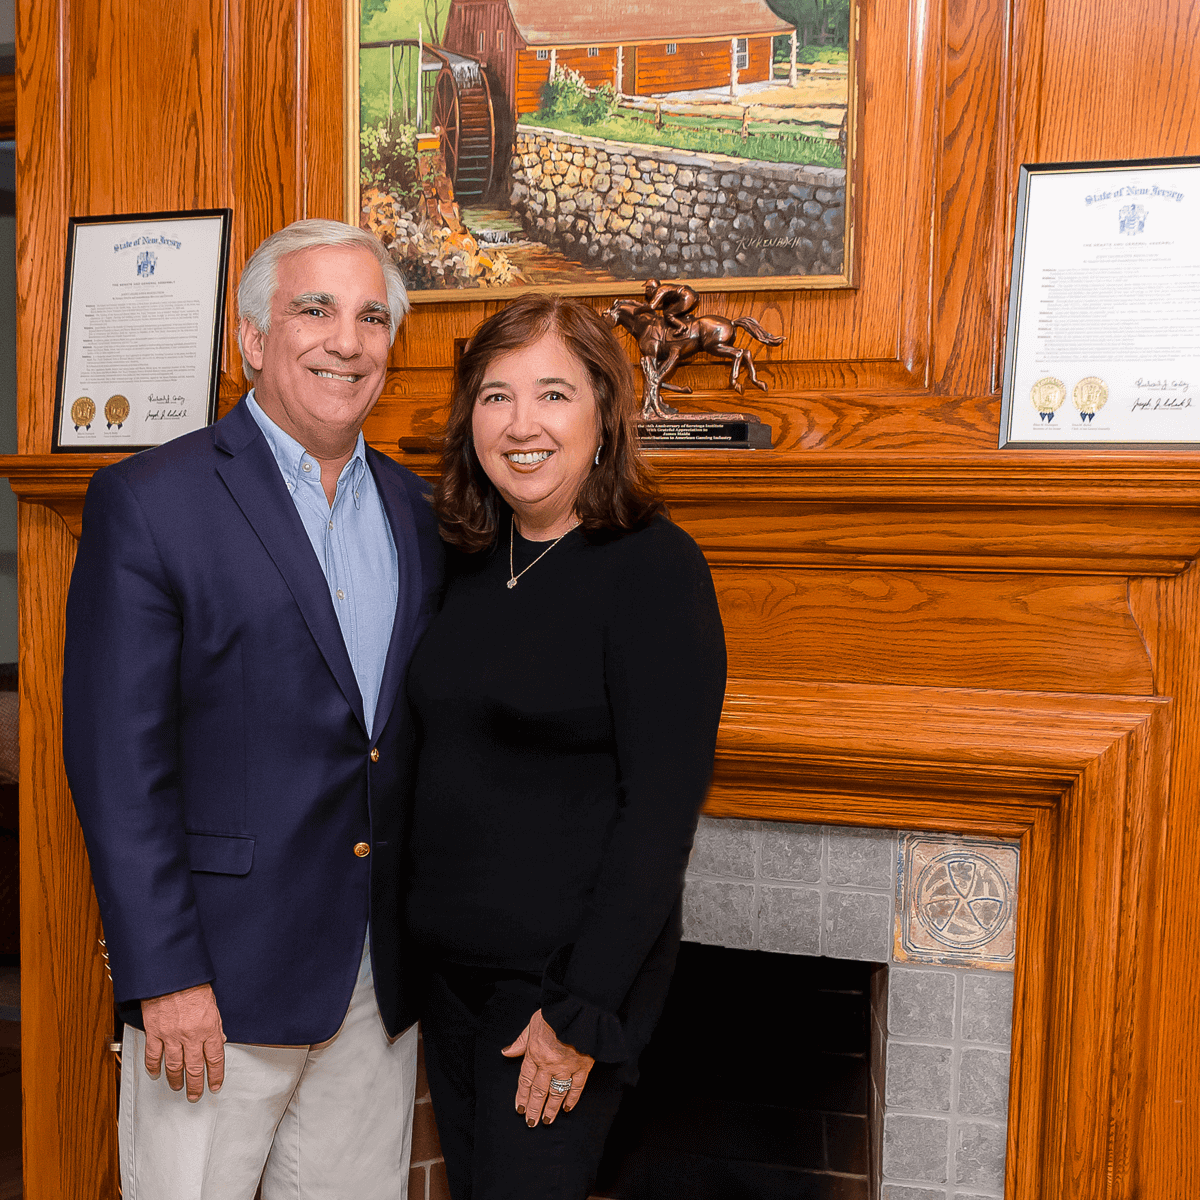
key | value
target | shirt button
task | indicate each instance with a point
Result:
(330, 524)
(307, 467)
(340, 594)
(374, 753)
(361, 849)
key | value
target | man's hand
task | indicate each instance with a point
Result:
(184, 1029)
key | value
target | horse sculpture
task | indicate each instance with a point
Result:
(662, 350)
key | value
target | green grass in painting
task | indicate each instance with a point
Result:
(709, 137)
(790, 129)
(381, 22)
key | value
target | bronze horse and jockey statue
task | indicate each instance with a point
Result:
(668, 332)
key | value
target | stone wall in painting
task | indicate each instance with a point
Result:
(644, 211)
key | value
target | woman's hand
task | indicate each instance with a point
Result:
(546, 1058)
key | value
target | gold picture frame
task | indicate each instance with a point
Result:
(486, 182)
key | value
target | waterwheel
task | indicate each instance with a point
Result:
(463, 116)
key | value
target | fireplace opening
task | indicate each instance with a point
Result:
(755, 1086)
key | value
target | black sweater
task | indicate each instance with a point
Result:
(567, 734)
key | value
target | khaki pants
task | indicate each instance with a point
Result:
(325, 1122)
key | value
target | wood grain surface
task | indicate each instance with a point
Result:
(874, 571)
(1165, 1134)
(69, 1085)
(1053, 633)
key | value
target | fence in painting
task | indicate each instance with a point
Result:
(412, 78)
(820, 120)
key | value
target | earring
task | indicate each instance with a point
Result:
(598, 449)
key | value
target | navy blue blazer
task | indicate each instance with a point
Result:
(214, 740)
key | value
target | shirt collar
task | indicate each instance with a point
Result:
(291, 456)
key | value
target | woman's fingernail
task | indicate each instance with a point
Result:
(521, 1109)
(546, 1120)
(531, 1123)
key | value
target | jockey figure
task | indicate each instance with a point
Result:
(676, 302)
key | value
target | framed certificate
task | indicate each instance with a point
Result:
(143, 311)
(1104, 313)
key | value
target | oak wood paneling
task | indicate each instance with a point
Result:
(1054, 633)
(69, 1087)
(969, 201)
(42, 146)
(1165, 1134)
(1115, 88)
(170, 152)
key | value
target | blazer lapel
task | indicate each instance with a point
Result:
(398, 507)
(253, 478)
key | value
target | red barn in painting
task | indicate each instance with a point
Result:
(641, 48)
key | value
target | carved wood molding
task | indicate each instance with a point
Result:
(1087, 513)
(1071, 478)
(1082, 782)
(56, 481)
(1018, 748)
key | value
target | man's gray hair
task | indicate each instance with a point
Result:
(256, 288)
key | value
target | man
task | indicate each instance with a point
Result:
(242, 611)
(676, 302)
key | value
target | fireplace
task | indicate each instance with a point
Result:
(756, 1084)
(917, 931)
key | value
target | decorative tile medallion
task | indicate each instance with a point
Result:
(956, 901)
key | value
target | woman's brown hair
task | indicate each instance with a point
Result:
(617, 494)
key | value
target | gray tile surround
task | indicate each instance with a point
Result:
(806, 889)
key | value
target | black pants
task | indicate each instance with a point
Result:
(491, 1153)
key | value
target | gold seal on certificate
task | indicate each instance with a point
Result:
(83, 412)
(1090, 395)
(116, 411)
(1048, 395)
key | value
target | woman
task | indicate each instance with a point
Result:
(567, 696)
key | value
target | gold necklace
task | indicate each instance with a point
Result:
(512, 579)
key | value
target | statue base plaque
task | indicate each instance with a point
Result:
(718, 431)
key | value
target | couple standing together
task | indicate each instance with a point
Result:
(347, 754)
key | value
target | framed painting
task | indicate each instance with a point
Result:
(587, 145)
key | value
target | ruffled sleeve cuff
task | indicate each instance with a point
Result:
(577, 1022)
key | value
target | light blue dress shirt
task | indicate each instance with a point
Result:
(353, 542)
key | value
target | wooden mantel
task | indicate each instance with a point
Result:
(1106, 512)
